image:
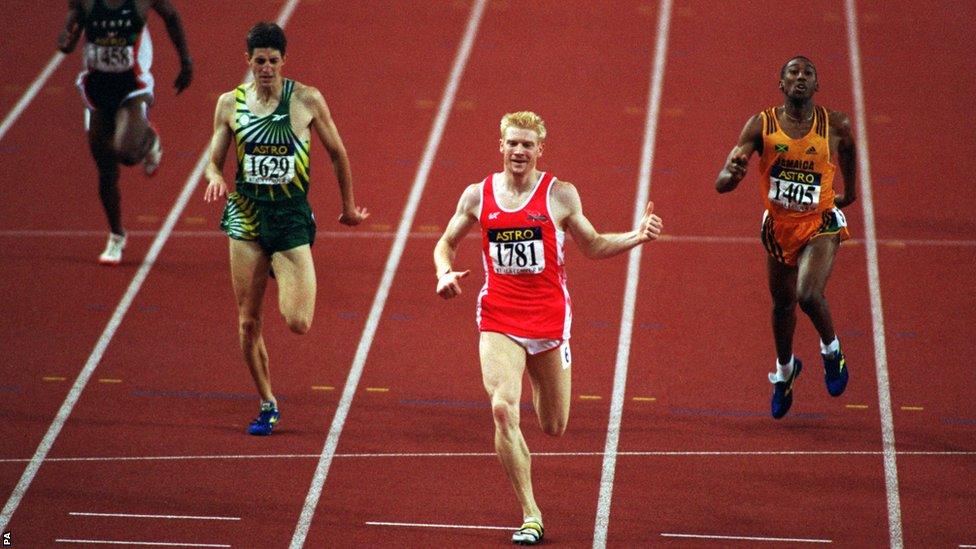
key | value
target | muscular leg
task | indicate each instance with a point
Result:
(815, 263)
(100, 131)
(295, 273)
(502, 366)
(551, 385)
(249, 273)
(782, 286)
(133, 134)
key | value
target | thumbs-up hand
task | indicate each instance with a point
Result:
(650, 225)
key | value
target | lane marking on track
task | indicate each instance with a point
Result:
(746, 538)
(380, 234)
(162, 517)
(874, 284)
(31, 92)
(323, 388)
(912, 408)
(140, 543)
(74, 394)
(423, 525)
(602, 521)
(856, 406)
(439, 455)
(377, 389)
(644, 399)
(389, 272)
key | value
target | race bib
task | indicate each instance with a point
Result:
(109, 58)
(793, 189)
(516, 251)
(269, 164)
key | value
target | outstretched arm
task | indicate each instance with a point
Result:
(465, 216)
(216, 186)
(568, 207)
(329, 134)
(846, 157)
(174, 27)
(750, 140)
(69, 36)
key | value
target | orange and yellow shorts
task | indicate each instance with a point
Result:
(784, 240)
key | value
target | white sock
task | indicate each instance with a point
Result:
(830, 349)
(783, 371)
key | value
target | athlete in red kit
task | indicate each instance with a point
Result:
(524, 312)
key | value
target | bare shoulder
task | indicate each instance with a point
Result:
(839, 119)
(471, 197)
(564, 193)
(308, 95)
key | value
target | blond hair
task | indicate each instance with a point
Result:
(525, 120)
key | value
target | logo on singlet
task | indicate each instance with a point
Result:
(780, 148)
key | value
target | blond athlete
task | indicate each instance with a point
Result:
(524, 312)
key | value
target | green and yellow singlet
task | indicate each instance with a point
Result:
(272, 162)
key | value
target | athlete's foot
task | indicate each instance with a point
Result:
(530, 533)
(151, 163)
(113, 250)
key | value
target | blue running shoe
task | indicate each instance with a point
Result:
(836, 374)
(266, 420)
(783, 392)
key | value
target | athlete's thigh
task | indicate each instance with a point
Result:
(101, 129)
(816, 261)
(551, 378)
(502, 366)
(295, 274)
(130, 121)
(782, 281)
(249, 275)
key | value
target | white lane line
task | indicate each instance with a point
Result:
(139, 543)
(366, 234)
(389, 272)
(113, 325)
(633, 274)
(31, 92)
(874, 284)
(747, 538)
(440, 455)
(453, 526)
(161, 517)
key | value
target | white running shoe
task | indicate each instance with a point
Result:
(113, 250)
(151, 163)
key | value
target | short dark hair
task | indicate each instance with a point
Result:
(266, 35)
(782, 71)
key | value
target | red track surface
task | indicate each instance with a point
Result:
(171, 382)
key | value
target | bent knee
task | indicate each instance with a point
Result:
(810, 301)
(553, 428)
(299, 325)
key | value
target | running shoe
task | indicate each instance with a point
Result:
(783, 392)
(836, 373)
(151, 162)
(266, 420)
(530, 533)
(113, 250)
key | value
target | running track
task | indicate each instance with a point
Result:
(385, 424)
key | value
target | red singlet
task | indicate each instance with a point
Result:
(525, 284)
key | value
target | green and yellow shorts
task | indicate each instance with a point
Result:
(276, 226)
